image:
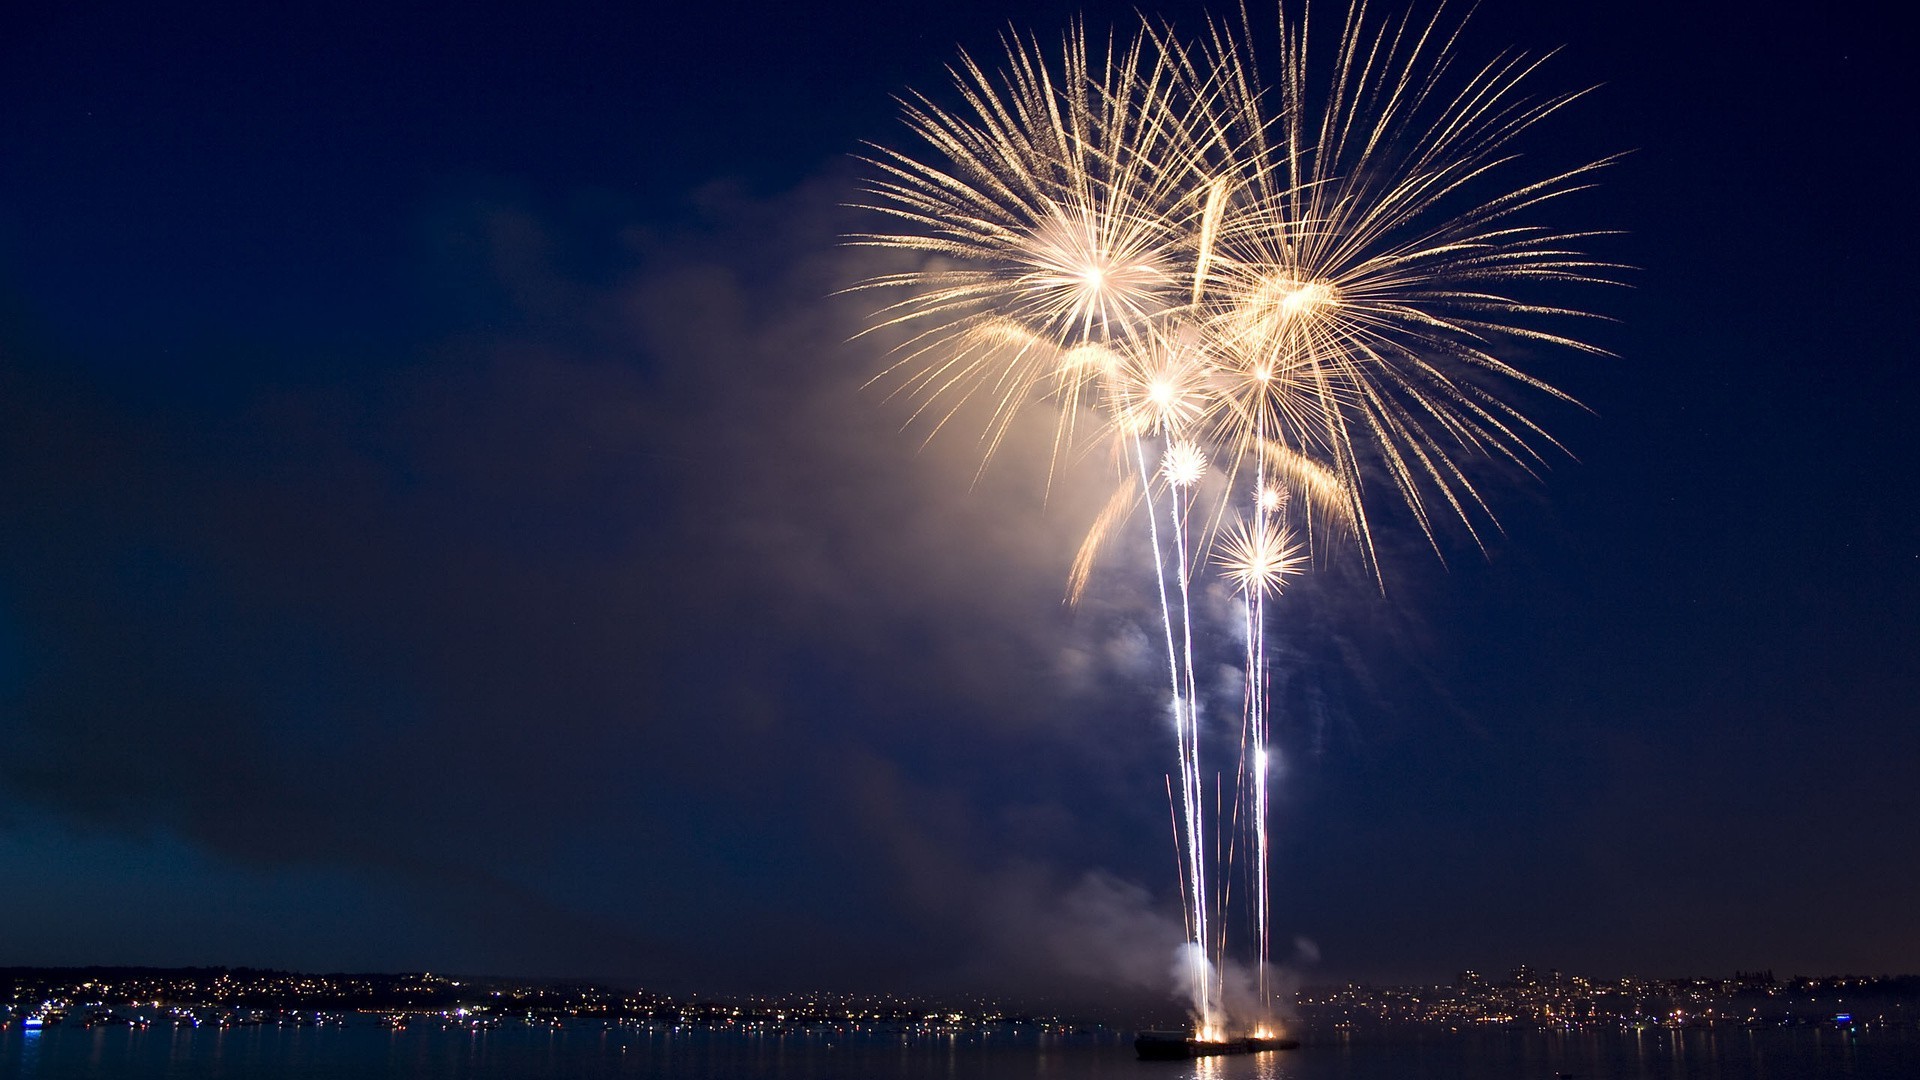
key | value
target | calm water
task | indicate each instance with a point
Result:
(592, 1052)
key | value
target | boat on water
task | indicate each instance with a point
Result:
(1180, 1045)
(44, 1018)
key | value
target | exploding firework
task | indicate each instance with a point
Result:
(1260, 297)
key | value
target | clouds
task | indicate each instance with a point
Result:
(636, 611)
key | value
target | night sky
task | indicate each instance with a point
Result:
(442, 526)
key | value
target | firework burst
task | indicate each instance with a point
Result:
(1288, 291)
(1259, 557)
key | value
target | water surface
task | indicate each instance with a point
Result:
(591, 1051)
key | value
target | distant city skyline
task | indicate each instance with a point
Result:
(1525, 997)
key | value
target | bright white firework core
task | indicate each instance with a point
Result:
(1184, 464)
(1306, 297)
(1280, 302)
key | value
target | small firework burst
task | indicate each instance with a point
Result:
(1259, 557)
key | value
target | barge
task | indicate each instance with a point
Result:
(1179, 1045)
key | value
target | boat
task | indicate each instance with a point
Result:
(1179, 1045)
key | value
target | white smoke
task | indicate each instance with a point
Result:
(1233, 991)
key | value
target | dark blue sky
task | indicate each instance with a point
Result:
(440, 526)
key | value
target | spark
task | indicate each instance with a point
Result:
(1158, 388)
(1183, 464)
(1260, 557)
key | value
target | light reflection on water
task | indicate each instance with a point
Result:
(597, 1052)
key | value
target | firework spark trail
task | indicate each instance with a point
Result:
(1257, 702)
(1249, 750)
(1183, 474)
(1257, 715)
(1193, 882)
(1300, 284)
